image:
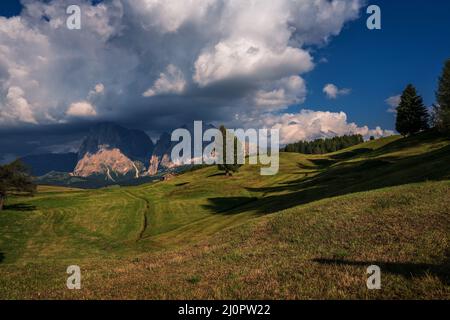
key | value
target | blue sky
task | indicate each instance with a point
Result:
(157, 83)
(411, 48)
(10, 8)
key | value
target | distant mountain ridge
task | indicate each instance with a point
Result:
(161, 157)
(135, 144)
(112, 154)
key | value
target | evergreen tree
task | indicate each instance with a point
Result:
(229, 168)
(321, 146)
(442, 109)
(412, 115)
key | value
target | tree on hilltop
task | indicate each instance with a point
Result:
(442, 108)
(412, 115)
(229, 168)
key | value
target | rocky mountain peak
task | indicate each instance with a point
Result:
(135, 144)
(111, 163)
(161, 157)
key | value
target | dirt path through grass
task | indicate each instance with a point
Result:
(144, 214)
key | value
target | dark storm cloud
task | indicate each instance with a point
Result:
(154, 65)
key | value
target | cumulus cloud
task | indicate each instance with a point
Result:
(65, 64)
(333, 92)
(310, 125)
(220, 53)
(16, 107)
(169, 16)
(81, 109)
(170, 82)
(282, 93)
(393, 102)
(247, 59)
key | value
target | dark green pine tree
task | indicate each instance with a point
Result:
(412, 115)
(442, 110)
(229, 168)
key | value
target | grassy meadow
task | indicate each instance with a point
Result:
(308, 232)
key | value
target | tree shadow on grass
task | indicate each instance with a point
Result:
(217, 174)
(228, 205)
(20, 207)
(350, 154)
(181, 184)
(2, 257)
(407, 270)
(322, 163)
(340, 179)
(411, 141)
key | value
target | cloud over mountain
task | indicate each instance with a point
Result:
(81, 109)
(159, 64)
(135, 57)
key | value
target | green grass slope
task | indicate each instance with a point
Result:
(308, 232)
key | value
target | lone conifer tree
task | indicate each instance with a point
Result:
(442, 109)
(229, 168)
(412, 115)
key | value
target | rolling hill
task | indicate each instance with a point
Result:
(308, 232)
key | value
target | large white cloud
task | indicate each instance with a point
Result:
(310, 125)
(55, 67)
(161, 58)
(247, 59)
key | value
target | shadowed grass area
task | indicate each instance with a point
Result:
(20, 207)
(306, 232)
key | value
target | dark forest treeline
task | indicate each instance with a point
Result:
(321, 146)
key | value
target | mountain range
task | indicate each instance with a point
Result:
(108, 154)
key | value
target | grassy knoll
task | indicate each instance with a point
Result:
(308, 232)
